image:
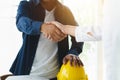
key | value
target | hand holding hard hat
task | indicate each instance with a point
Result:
(68, 72)
(74, 60)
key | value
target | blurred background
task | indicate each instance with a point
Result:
(86, 12)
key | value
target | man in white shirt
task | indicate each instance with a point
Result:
(109, 34)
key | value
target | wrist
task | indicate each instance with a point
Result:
(43, 27)
(70, 30)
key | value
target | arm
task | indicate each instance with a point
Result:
(73, 53)
(83, 33)
(23, 21)
(80, 33)
(76, 47)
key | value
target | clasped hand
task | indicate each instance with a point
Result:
(52, 32)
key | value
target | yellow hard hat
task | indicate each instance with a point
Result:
(68, 72)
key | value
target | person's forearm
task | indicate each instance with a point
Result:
(28, 26)
(70, 30)
(67, 29)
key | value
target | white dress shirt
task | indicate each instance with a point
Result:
(82, 34)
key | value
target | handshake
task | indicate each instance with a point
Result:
(56, 31)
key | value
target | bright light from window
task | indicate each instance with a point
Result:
(10, 37)
(84, 10)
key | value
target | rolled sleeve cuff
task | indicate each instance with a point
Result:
(36, 25)
(81, 34)
(78, 35)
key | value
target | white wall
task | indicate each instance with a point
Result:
(10, 38)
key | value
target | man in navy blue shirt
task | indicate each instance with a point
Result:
(44, 47)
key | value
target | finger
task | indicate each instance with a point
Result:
(56, 37)
(71, 60)
(59, 25)
(56, 33)
(62, 38)
(49, 37)
(65, 60)
(60, 33)
(75, 61)
(45, 35)
(80, 63)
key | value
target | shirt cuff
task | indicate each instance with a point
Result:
(78, 34)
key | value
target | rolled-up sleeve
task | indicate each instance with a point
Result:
(29, 26)
(23, 21)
